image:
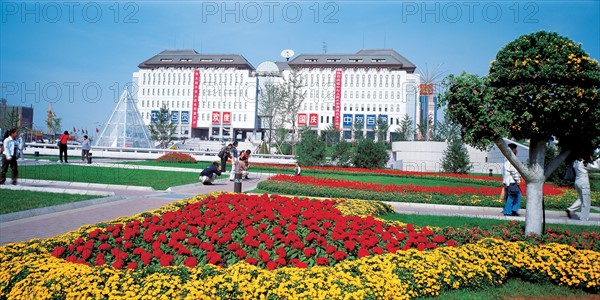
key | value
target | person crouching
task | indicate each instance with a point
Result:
(210, 173)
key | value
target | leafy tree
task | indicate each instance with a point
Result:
(311, 149)
(446, 131)
(331, 135)
(341, 154)
(422, 129)
(541, 85)
(381, 130)
(162, 128)
(269, 105)
(456, 158)
(11, 120)
(281, 140)
(405, 131)
(370, 154)
(293, 96)
(358, 131)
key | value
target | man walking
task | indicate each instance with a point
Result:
(511, 180)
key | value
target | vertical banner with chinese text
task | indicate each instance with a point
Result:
(195, 98)
(337, 105)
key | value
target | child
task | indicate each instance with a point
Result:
(297, 169)
(85, 148)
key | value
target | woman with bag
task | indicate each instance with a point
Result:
(511, 181)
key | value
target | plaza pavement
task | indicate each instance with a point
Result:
(121, 201)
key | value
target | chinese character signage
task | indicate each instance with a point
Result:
(383, 118)
(313, 120)
(359, 119)
(337, 104)
(226, 117)
(301, 119)
(371, 120)
(175, 116)
(196, 96)
(216, 117)
(185, 117)
(154, 115)
(347, 120)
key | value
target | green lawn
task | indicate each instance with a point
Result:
(159, 180)
(13, 201)
(516, 288)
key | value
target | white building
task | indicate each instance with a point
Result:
(209, 95)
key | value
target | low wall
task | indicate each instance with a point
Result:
(427, 157)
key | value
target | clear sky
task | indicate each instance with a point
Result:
(79, 55)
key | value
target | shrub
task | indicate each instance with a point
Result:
(370, 155)
(177, 157)
(456, 158)
(342, 154)
(311, 149)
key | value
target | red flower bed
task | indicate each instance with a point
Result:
(393, 188)
(268, 231)
(177, 157)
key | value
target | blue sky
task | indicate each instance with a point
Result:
(87, 51)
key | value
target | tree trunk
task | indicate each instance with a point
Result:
(535, 185)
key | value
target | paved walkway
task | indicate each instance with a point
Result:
(127, 200)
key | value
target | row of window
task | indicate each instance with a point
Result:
(217, 104)
(168, 104)
(308, 107)
(187, 92)
(186, 78)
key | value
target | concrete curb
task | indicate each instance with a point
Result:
(88, 185)
(56, 208)
(55, 190)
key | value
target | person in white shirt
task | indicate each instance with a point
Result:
(297, 169)
(582, 185)
(22, 147)
(511, 181)
(9, 157)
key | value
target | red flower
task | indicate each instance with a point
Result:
(340, 255)
(166, 259)
(190, 262)
(308, 252)
(132, 265)
(322, 261)
(58, 251)
(271, 265)
(440, 239)
(118, 264)
(349, 245)
(241, 253)
(264, 256)
(252, 261)
(363, 252)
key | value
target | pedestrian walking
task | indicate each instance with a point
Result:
(234, 160)
(22, 146)
(9, 156)
(85, 148)
(62, 146)
(582, 186)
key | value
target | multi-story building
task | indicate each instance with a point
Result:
(209, 96)
(212, 95)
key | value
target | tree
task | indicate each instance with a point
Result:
(446, 131)
(311, 149)
(293, 96)
(422, 130)
(456, 158)
(370, 154)
(341, 154)
(162, 128)
(331, 135)
(269, 105)
(11, 120)
(381, 130)
(405, 131)
(541, 85)
(358, 131)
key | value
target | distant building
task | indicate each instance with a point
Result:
(8, 112)
(211, 95)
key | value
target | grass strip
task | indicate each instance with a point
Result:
(13, 201)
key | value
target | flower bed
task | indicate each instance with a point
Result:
(31, 269)
(319, 187)
(177, 157)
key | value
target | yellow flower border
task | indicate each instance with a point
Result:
(29, 271)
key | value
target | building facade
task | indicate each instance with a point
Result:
(215, 96)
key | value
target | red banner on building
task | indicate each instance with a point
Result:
(216, 117)
(426, 89)
(337, 105)
(226, 117)
(313, 120)
(195, 98)
(301, 119)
